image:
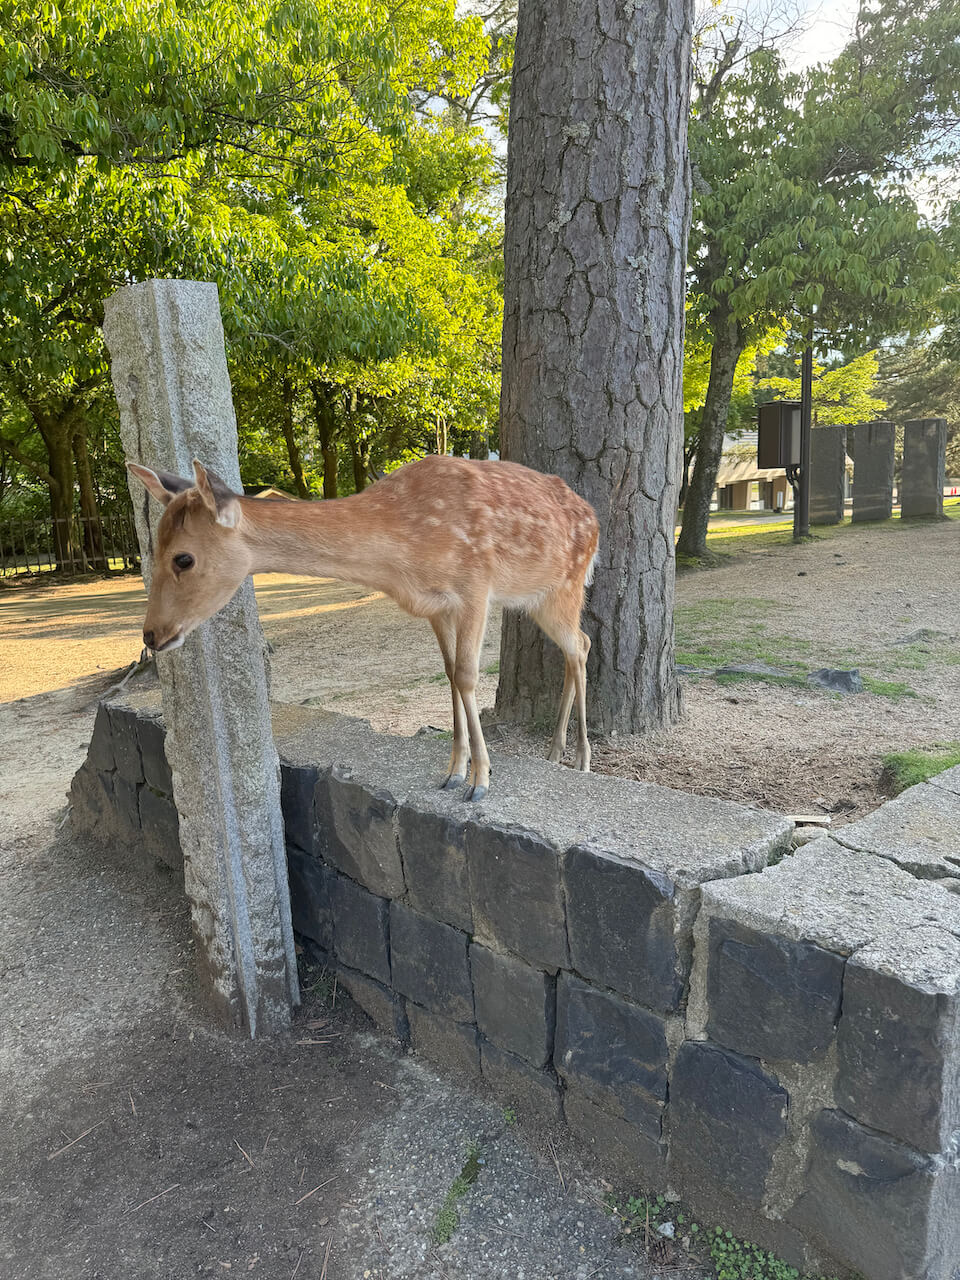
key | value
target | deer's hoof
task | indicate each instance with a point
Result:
(476, 793)
(452, 781)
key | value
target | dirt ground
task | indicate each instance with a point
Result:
(140, 1142)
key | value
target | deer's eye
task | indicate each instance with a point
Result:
(183, 561)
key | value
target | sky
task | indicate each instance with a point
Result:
(827, 27)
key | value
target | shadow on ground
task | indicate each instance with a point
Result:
(140, 1142)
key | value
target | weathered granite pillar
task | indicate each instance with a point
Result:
(873, 471)
(828, 456)
(924, 467)
(170, 376)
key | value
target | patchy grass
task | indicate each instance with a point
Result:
(448, 1215)
(893, 689)
(725, 542)
(718, 633)
(902, 769)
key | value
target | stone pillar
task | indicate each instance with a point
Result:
(170, 376)
(828, 456)
(873, 471)
(924, 467)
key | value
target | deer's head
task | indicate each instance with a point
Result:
(200, 558)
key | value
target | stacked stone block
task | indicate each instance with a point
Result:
(924, 468)
(124, 789)
(873, 448)
(828, 460)
(782, 1049)
(829, 986)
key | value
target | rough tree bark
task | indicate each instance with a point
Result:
(595, 248)
(727, 346)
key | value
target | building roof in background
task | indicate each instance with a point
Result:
(274, 493)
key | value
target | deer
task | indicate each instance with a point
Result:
(443, 536)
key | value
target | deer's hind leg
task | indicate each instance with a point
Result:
(446, 633)
(558, 616)
(471, 625)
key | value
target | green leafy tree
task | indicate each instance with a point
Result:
(244, 145)
(842, 396)
(920, 378)
(803, 203)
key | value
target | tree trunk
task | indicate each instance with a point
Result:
(727, 347)
(56, 431)
(479, 444)
(293, 449)
(91, 528)
(595, 250)
(689, 453)
(325, 416)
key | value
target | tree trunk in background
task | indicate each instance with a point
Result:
(293, 449)
(325, 416)
(727, 346)
(479, 444)
(91, 528)
(55, 425)
(595, 245)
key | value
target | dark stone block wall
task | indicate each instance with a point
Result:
(828, 458)
(873, 458)
(782, 1049)
(924, 468)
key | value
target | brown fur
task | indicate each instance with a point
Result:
(443, 536)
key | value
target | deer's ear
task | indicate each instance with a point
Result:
(162, 486)
(217, 498)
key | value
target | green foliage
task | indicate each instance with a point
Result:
(805, 198)
(893, 689)
(294, 154)
(904, 769)
(801, 197)
(841, 395)
(920, 378)
(448, 1215)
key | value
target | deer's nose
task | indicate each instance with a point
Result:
(149, 639)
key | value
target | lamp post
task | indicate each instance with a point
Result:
(801, 513)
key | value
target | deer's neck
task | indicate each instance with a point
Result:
(335, 538)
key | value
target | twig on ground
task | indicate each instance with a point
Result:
(326, 1255)
(315, 1190)
(244, 1154)
(73, 1142)
(551, 1147)
(297, 1267)
(143, 1203)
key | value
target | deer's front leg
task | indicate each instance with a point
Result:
(460, 753)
